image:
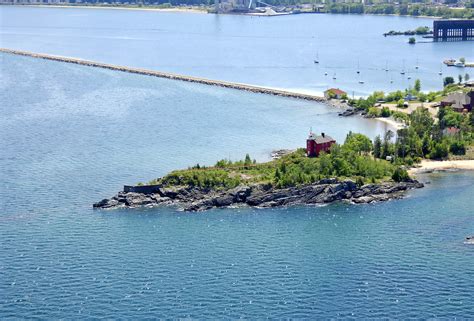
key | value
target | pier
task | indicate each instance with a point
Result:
(453, 30)
(147, 72)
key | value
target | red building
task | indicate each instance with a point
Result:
(316, 144)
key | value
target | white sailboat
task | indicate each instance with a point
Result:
(403, 70)
(316, 61)
(358, 67)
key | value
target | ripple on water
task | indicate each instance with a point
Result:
(65, 148)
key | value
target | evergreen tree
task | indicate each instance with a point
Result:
(377, 147)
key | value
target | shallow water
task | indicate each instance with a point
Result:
(267, 51)
(71, 135)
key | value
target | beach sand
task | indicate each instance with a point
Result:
(427, 166)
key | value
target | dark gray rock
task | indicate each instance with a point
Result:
(263, 195)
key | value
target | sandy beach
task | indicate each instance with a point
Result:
(392, 122)
(427, 166)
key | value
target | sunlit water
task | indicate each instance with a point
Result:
(275, 52)
(71, 135)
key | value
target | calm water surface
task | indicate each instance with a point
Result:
(70, 135)
(275, 52)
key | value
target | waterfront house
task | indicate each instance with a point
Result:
(451, 131)
(459, 101)
(316, 144)
(334, 93)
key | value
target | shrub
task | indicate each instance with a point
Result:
(458, 147)
(400, 175)
(385, 112)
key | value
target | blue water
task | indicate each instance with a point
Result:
(275, 52)
(71, 135)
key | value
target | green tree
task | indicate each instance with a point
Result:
(460, 78)
(421, 121)
(412, 40)
(417, 86)
(467, 77)
(387, 145)
(377, 147)
(358, 143)
(247, 160)
(448, 81)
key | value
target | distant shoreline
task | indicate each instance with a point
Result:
(144, 8)
(202, 10)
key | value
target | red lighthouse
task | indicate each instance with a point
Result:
(316, 144)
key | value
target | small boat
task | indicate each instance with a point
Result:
(403, 70)
(316, 61)
(361, 81)
(409, 77)
(449, 62)
(416, 67)
(358, 68)
(459, 64)
(334, 76)
(469, 240)
(325, 74)
(386, 65)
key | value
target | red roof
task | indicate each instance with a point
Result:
(452, 130)
(336, 91)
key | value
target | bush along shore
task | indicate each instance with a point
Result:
(350, 172)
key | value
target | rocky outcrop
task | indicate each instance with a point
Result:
(262, 195)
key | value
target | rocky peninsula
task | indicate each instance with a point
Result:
(261, 195)
(347, 172)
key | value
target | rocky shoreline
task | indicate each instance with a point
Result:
(195, 199)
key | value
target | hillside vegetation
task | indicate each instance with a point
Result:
(353, 159)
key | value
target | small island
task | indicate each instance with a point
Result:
(322, 173)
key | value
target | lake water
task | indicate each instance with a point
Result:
(71, 135)
(267, 51)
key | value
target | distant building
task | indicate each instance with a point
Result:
(451, 131)
(316, 144)
(459, 101)
(223, 6)
(334, 93)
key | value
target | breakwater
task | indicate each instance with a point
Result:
(153, 73)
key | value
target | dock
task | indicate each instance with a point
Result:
(166, 75)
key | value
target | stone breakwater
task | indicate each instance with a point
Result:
(261, 195)
(147, 72)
